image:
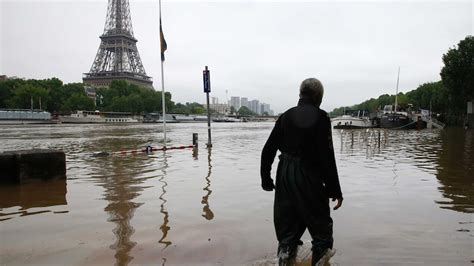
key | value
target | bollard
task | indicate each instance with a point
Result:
(195, 139)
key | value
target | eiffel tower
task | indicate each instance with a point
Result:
(117, 57)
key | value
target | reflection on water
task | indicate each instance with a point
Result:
(37, 194)
(120, 176)
(119, 191)
(448, 154)
(164, 227)
(456, 170)
(207, 213)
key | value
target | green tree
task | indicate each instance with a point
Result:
(135, 103)
(151, 101)
(7, 91)
(168, 102)
(199, 110)
(120, 87)
(458, 78)
(25, 95)
(59, 95)
(189, 108)
(180, 108)
(429, 94)
(119, 104)
(119, 96)
(244, 111)
(78, 101)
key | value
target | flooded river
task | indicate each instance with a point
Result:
(409, 199)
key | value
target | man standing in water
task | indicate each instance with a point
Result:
(306, 176)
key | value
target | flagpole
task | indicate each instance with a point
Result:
(163, 102)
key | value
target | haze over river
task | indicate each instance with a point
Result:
(409, 201)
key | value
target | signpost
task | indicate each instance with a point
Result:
(207, 88)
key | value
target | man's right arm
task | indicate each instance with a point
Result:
(328, 160)
(268, 155)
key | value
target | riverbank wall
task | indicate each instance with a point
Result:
(25, 165)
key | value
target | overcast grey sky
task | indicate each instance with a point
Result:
(256, 49)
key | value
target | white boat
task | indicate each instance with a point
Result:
(357, 120)
(96, 117)
(157, 118)
(184, 118)
(227, 119)
(121, 120)
(24, 116)
(83, 117)
(169, 119)
(200, 118)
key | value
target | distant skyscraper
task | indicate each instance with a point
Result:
(214, 100)
(265, 108)
(235, 102)
(244, 102)
(255, 106)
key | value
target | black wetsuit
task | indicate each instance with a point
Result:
(306, 176)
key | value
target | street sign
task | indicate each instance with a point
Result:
(207, 88)
(206, 80)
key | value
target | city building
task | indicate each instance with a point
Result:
(265, 109)
(220, 108)
(235, 102)
(244, 101)
(255, 106)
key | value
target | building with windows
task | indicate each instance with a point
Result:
(254, 106)
(265, 109)
(244, 101)
(235, 102)
(220, 108)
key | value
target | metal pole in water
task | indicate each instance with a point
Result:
(379, 138)
(207, 89)
(163, 102)
(195, 144)
(396, 94)
(209, 142)
(195, 139)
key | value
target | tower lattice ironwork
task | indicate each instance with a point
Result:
(117, 57)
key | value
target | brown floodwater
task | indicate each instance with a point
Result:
(409, 199)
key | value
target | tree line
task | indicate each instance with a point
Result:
(54, 96)
(447, 97)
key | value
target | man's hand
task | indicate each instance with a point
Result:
(268, 185)
(339, 203)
